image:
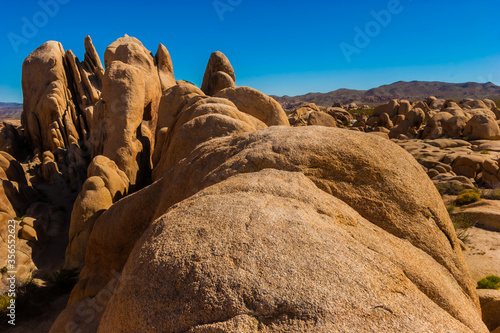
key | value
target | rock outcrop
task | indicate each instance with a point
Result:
(458, 163)
(485, 214)
(207, 118)
(310, 115)
(59, 93)
(217, 267)
(358, 177)
(105, 184)
(219, 74)
(481, 127)
(257, 104)
(75, 109)
(125, 119)
(300, 115)
(12, 141)
(59, 97)
(173, 101)
(234, 220)
(16, 196)
(165, 68)
(75, 113)
(490, 305)
(433, 119)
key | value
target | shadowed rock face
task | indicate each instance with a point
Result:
(16, 196)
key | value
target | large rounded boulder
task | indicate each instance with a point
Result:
(269, 251)
(378, 180)
(481, 127)
(257, 104)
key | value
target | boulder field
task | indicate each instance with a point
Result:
(211, 210)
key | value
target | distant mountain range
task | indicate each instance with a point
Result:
(10, 111)
(415, 90)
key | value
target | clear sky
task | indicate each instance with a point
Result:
(279, 47)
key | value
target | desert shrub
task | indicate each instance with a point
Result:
(449, 188)
(491, 194)
(451, 208)
(359, 112)
(64, 278)
(465, 138)
(485, 152)
(489, 282)
(3, 270)
(419, 157)
(496, 194)
(462, 223)
(33, 294)
(467, 197)
(4, 303)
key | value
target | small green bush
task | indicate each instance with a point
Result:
(496, 194)
(467, 197)
(358, 112)
(4, 303)
(64, 278)
(449, 188)
(463, 223)
(451, 208)
(485, 152)
(489, 282)
(3, 270)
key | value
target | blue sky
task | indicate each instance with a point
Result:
(286, 47)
